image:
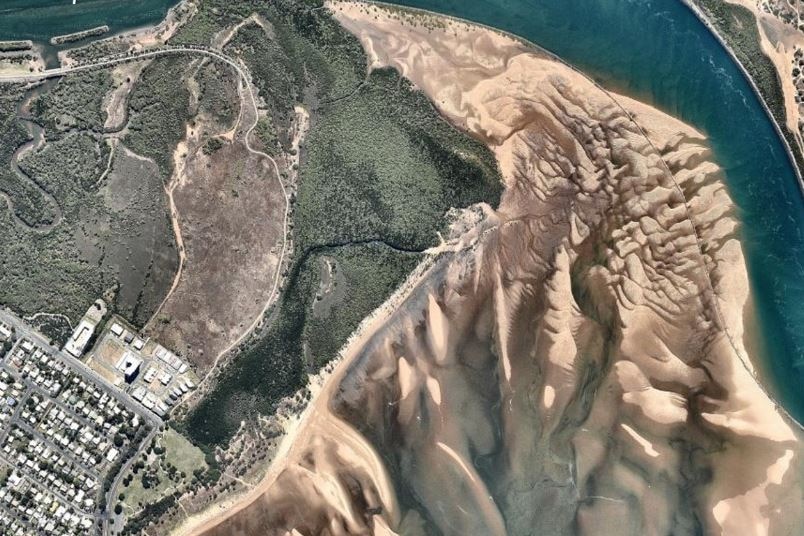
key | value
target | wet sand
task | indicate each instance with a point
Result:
(574, 360)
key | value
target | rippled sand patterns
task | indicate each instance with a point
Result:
(573, 361)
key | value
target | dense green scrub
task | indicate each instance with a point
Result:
(78, 237)
(68, 167)
(75, 103)
(379, 170)
(738, 27)
(267, 57)
(273, 367)
(218, 97)
(390, 165)
(365, 273)
(38, 271)
(159, 108)
(29, 205)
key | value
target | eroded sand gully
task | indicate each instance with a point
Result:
(563, 367)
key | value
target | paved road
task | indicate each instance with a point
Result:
(111, 496)
(24, 330)
(15, 415)
(64, 453)
(13, 513)
(114, 60)
(34, 479)
(246, 93)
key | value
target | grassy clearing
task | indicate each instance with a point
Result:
(170, 466)
(138, 243)
(379, 169)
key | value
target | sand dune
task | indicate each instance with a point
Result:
(574, 360)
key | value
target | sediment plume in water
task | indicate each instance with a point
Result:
(574, 361)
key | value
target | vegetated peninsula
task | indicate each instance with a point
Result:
(572, 361)
(559, 346)
(767, 38)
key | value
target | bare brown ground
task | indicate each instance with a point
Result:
(124, 76)
(778, 42)
(145, 37)
(229, 213)
(573, 362)
(231, 227)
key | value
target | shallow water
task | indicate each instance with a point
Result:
(659, 52)
(39, 20)
(654, 50)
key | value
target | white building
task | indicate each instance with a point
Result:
(129, 365)
(80, 338)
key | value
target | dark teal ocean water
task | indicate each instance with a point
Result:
(659, 52)
(654, 50)
(39, 20)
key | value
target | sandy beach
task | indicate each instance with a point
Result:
(778, 42)
(299, 429)
(570, 351)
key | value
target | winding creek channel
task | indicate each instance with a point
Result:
(659, 52)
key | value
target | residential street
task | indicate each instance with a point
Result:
(24, 330)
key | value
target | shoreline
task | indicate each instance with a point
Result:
(401, 51)
(47, 48)
(755, 334)
(309, 416)
(135, 32)
(323, 382)
(701, 16)
(747, 362)
(552, 55)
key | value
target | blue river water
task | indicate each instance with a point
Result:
(659, 52)
(39, 20)
(654, 50)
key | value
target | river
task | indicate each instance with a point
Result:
(659, 52)
(654, 50)
(39, 20)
